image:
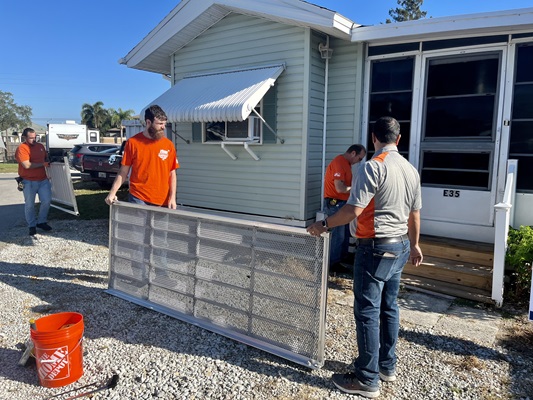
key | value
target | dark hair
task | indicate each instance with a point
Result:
(154, 111)
(386, 130)
(26, 131)
(358, 148)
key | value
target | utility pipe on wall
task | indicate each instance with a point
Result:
(325, 53)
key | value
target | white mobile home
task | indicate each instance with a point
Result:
(461, 88)
(265, 94)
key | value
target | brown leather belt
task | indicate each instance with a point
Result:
(378, 241)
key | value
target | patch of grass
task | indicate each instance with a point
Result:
(91, 205)
(9, 167)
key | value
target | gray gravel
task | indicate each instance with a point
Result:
(157, 356)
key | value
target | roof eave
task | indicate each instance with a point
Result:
(190, 18)
(483, 23)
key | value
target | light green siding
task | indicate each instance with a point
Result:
(316, 127)
(275, 185)
(286, 182)
(344, 98)
(343, 111)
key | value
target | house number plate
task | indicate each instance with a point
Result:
(451, 193)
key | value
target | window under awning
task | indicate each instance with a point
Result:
(222, 96)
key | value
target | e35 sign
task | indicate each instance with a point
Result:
(451, 193)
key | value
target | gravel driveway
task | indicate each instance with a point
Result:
(160, 357)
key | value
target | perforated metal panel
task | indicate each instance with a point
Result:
(63, 197)
(260, 284)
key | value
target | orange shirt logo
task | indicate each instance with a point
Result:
(163, 154)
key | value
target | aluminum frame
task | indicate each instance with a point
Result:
(261, 284)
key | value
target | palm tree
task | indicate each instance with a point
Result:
(118, 116)
(93, 115)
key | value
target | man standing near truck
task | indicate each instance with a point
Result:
(32, 159)
(151, 159)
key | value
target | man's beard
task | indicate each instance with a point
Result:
(156, 134)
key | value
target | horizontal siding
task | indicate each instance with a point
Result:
(343, 117)
(208, 177)
(316, 127)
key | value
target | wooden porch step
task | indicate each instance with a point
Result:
(452, 271)
(454, 267)
(451, 289)
(461, 251)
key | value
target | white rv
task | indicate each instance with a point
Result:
(60, 138)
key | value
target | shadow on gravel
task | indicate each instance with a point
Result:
(63, 230)
(450, 344)
(107, 316)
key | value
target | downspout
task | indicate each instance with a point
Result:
(325, 53)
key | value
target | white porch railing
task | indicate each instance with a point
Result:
(504, 218)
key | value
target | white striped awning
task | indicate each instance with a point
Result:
(224, 96)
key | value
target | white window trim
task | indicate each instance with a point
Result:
(255, 140)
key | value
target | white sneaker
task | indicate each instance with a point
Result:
(387, 376)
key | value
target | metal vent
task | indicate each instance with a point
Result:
(261, 284)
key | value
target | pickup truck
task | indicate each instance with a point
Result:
(102, 167)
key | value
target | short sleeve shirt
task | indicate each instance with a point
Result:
(338, 169)
(151, 163)
(33, 154)
(388, 188)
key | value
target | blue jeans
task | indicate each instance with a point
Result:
(136, 200)
(339, 236)
(376, 283)
(44, 190)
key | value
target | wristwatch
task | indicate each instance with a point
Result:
(325, 224)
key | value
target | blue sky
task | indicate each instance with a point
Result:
(57, 55)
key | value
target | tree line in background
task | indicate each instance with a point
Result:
(11, 114)
(95, 116)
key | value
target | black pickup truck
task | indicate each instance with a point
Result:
(103, 167)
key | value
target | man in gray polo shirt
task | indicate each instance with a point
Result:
(386, 200)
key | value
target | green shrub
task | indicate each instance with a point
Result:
(518, 259)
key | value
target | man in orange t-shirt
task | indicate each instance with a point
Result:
(151, 159)
(337, 185)
(32, 159)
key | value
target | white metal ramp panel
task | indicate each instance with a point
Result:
(62, 189)
(260, 284)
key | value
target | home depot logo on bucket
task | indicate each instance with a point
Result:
(53, 365)
(57, 340)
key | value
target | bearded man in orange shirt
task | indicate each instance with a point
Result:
(151, 158)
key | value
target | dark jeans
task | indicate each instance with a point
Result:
(339, 236)
(376, 283)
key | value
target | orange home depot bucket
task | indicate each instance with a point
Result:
(57, 341)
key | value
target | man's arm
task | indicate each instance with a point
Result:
(32, 165)
(27, 164)
(413, 226)
(345, 215)
(340, 187)
(172, 191)
(122, 176)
